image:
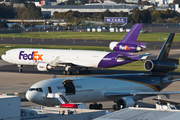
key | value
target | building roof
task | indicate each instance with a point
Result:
(142, 114)
(89, 7)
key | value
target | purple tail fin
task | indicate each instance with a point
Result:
(132, 36)
(128, 43)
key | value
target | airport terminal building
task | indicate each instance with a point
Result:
(90, 8)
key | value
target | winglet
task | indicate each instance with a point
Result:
(163, 55)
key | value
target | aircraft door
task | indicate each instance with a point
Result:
(69, 87)
(49, 90)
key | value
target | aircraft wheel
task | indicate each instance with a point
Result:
(83, 71)
(100, 106)
(91, 106)
(89, 72)
(114, 107)
(20, 70)
(69, 73)
(96, 106)
(78, 72)
(64, 72)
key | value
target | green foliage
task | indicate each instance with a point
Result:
(176, 2)
(140, 16)
(70, 2)
(6, 11)
(83, 2)
(144, 3)
(15, 26)
(119, 1)
(176, 19)
(3, 24)
(31, 12)
(18, 1)
(26, 25)
(164, 16)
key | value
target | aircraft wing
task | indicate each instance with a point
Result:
(57, 62)
(155, 93)
(76, 63)
(116, 93)
(129, 93)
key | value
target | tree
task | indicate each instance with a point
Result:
(18, 1)
(145, 16)
(136, 15)
(70, 2)
(176, 19)
(6, 11)
(145, 3)
(122, 14)
(3, 24)
(119, 1)
(31, 12)
(83, 2)
(15, 26)
(176, 2)
(107, 13)
(155, 15)
(26, 25)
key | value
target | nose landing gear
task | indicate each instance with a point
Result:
(20, 67)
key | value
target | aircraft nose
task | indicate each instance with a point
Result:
(2, 57)
(35, 97)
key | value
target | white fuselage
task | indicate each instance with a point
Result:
(26, 56)
(87, 89)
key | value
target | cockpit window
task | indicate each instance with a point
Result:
(36, 89)
(5, 53)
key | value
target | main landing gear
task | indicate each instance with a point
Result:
(96, 106)
(20, 67)
(79, 71)
(67, 72)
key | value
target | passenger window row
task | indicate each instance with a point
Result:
(36, 89)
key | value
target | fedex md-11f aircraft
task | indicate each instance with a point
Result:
(47, 59)
(125, 89)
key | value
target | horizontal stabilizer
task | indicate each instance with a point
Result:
(143, 57)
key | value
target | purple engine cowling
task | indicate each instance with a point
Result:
(116, 46)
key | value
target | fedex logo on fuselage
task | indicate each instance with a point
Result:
(33, 56)
(124, 47)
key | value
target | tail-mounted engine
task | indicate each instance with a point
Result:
(125, 102)
(116, 46)
(44, 67)
(160, 66)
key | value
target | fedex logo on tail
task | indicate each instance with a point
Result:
(33, 56)
(124, 47)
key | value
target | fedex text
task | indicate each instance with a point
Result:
(32, 56)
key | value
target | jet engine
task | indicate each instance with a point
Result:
(125, 102)
(160, 66)
(116, 46)
(44, 67)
